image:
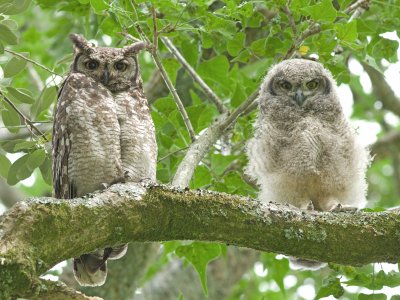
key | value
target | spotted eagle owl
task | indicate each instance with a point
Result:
(103, 133)
(304, 151)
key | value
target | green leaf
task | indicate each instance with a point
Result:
(201, 177)
(24, 145)
(9, 145)
(47, 97)
(14, 66)
(36, 158)
(109, 26)
(1, 48)
(10, 118)
(98, 5)
(385, 48)
(215, 71)
(18, 170)
(332, 287)
(279, 269)
(7, 35)
(14, 7)
(236, 44)
(226, 28)
(199, 254)
(220, 162)
(4, 166)
(375, 281)
(372, 297)
(297, 4)
(45, 169)
(323, 11)
(20, 95)
(347, 32)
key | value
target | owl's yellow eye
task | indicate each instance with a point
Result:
(286, 85)
(312, 85)
(120, 66)
(92, 64)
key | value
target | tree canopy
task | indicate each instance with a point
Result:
(202, 68)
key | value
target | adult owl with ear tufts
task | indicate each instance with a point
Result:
(102, 134)
(304, 151)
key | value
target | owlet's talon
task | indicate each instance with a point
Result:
(310, 206)
(343, 208)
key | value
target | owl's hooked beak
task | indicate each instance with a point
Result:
(105, 76)
(299, 97)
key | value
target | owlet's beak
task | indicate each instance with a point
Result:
(299, 97)
(105, 77)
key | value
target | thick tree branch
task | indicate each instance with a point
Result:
(382, 89)
(203, 144)
(128, 212)
(386, 144)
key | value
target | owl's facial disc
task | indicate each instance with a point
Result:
(297, 90)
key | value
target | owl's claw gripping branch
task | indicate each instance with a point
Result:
(134, 212)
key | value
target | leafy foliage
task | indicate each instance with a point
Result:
(231, 45)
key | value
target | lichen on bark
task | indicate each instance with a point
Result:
(37, 234)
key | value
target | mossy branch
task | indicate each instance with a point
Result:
(38, 233)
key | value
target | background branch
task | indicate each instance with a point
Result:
(382, 89)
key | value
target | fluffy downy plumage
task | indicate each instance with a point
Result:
(103, 133)
(304, 151)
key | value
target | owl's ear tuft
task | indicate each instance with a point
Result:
(134, 48)
(81, 44)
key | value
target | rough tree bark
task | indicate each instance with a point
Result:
(129, 212)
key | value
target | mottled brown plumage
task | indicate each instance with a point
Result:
(103, 133)
(304, 151)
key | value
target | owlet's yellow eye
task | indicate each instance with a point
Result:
(312, 85)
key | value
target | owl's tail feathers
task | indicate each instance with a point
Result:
(91, 269)
(305, 264)
(118, 251)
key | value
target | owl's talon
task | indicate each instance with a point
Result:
(105, 186)
(146, 182)
(343, 208)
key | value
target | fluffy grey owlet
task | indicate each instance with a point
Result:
(304, 151)
(103, 133)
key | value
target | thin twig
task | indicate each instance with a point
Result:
(167, 80)
(364, 4)
(31, 61)
(289, 15)
(155, 32)
(176, 97)
(313, 29)
(28, 122)
(172, 153)
(130, 37)
(210, 93)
